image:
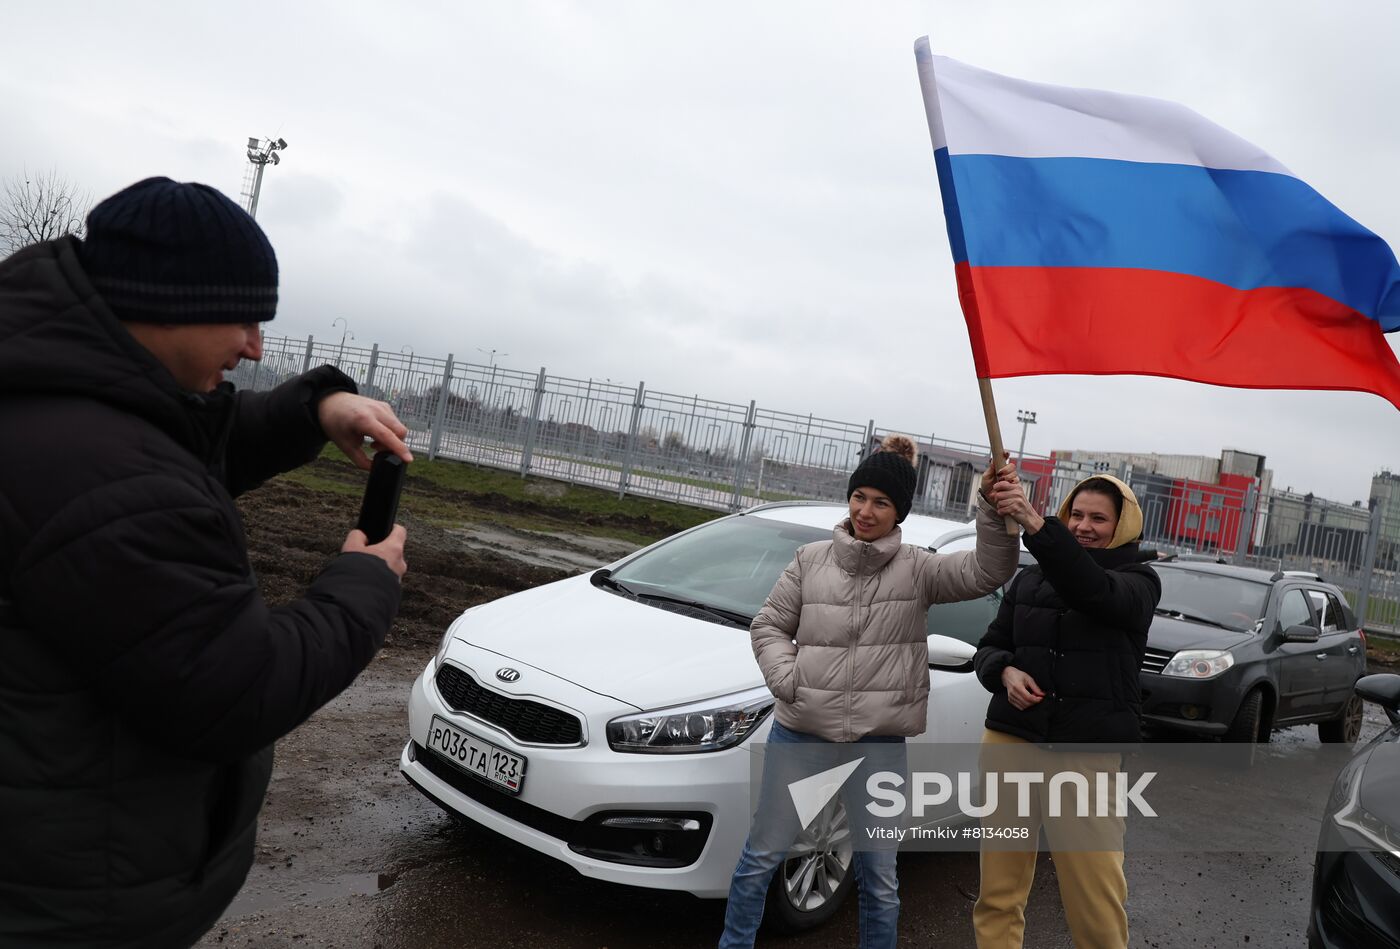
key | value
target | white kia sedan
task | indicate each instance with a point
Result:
(610, 720)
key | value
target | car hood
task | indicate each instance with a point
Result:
(1173, 635)
(639, 654)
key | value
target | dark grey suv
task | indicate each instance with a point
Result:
(1236, 652)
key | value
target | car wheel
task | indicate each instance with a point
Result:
(1244, 730)
(1345, 728)
(813, 880)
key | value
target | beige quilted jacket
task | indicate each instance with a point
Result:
(859, 665)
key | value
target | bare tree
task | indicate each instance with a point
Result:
(40, 207)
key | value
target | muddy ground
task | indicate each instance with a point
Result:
(350, 855)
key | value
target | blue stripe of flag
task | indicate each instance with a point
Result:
(1244, 229)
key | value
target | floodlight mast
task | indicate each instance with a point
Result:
(260, 152)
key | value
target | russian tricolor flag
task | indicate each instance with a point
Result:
(1101, 233)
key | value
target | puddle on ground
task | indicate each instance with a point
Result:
(258, 899)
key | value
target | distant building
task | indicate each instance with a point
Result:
(1199, 468)
(1309, 526)
(1385, 491)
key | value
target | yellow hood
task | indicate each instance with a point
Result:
(1129, 522)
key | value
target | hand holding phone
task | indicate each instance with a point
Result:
(381, 502)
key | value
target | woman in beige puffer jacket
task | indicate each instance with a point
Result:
(842, 645)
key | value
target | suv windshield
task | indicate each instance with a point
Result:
(731, 564)
(1232, 602)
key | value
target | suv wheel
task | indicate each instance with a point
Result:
(814, 879)
(1346, 727)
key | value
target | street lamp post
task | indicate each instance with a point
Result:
(344, 332)
(491, 355)
(408, 373)
(1026, 419)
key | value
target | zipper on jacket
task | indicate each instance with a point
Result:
(851, 649)
(1055, 675)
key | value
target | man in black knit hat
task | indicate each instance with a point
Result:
(143, 678)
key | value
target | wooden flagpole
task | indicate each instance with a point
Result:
(989, 410)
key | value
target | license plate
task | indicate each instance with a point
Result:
(476, 756)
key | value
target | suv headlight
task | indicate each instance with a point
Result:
(1199, 663)
(689, 729)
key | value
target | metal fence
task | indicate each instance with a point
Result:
(728, 456)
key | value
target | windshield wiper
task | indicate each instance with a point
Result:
(604, 578)
(1191, 617)
(733, 616)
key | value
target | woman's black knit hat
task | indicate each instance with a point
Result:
(162, 251)
(889, 471)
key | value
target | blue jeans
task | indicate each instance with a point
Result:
(776, 827)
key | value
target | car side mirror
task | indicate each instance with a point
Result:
(1302, 633)
(1384, 690)
(954, 655)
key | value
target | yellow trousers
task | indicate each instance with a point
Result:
(1088, 853)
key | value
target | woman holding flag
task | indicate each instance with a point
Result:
(1061, 660)
(842, 645)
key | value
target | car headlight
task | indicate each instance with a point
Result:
(689, 729)
(1199, 663)
(447, 636)
(442, 646)
(1372, 829)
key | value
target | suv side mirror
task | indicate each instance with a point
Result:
(1302, 633)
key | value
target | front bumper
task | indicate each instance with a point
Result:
(1168, 701)
(569, 791)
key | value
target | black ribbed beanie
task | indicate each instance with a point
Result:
(163, 251)
(888, 472)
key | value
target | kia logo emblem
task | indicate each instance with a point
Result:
(507, 675)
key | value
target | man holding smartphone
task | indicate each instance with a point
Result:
(143, 678)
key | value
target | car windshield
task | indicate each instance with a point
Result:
(1231, 602)
(731, 564)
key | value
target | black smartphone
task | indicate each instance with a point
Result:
(381, 503)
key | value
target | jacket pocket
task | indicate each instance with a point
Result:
(236, 801)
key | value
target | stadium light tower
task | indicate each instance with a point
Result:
(1026, 419)
(260, 152)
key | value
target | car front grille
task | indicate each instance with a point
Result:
(1155, 660)
(526, 721)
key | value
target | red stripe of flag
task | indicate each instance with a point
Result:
(1109, 321)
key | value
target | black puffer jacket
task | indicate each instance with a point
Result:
(1076, 622)
(143, 679)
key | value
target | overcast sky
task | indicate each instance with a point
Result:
(730, 199)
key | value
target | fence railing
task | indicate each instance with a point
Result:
(730, 456)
